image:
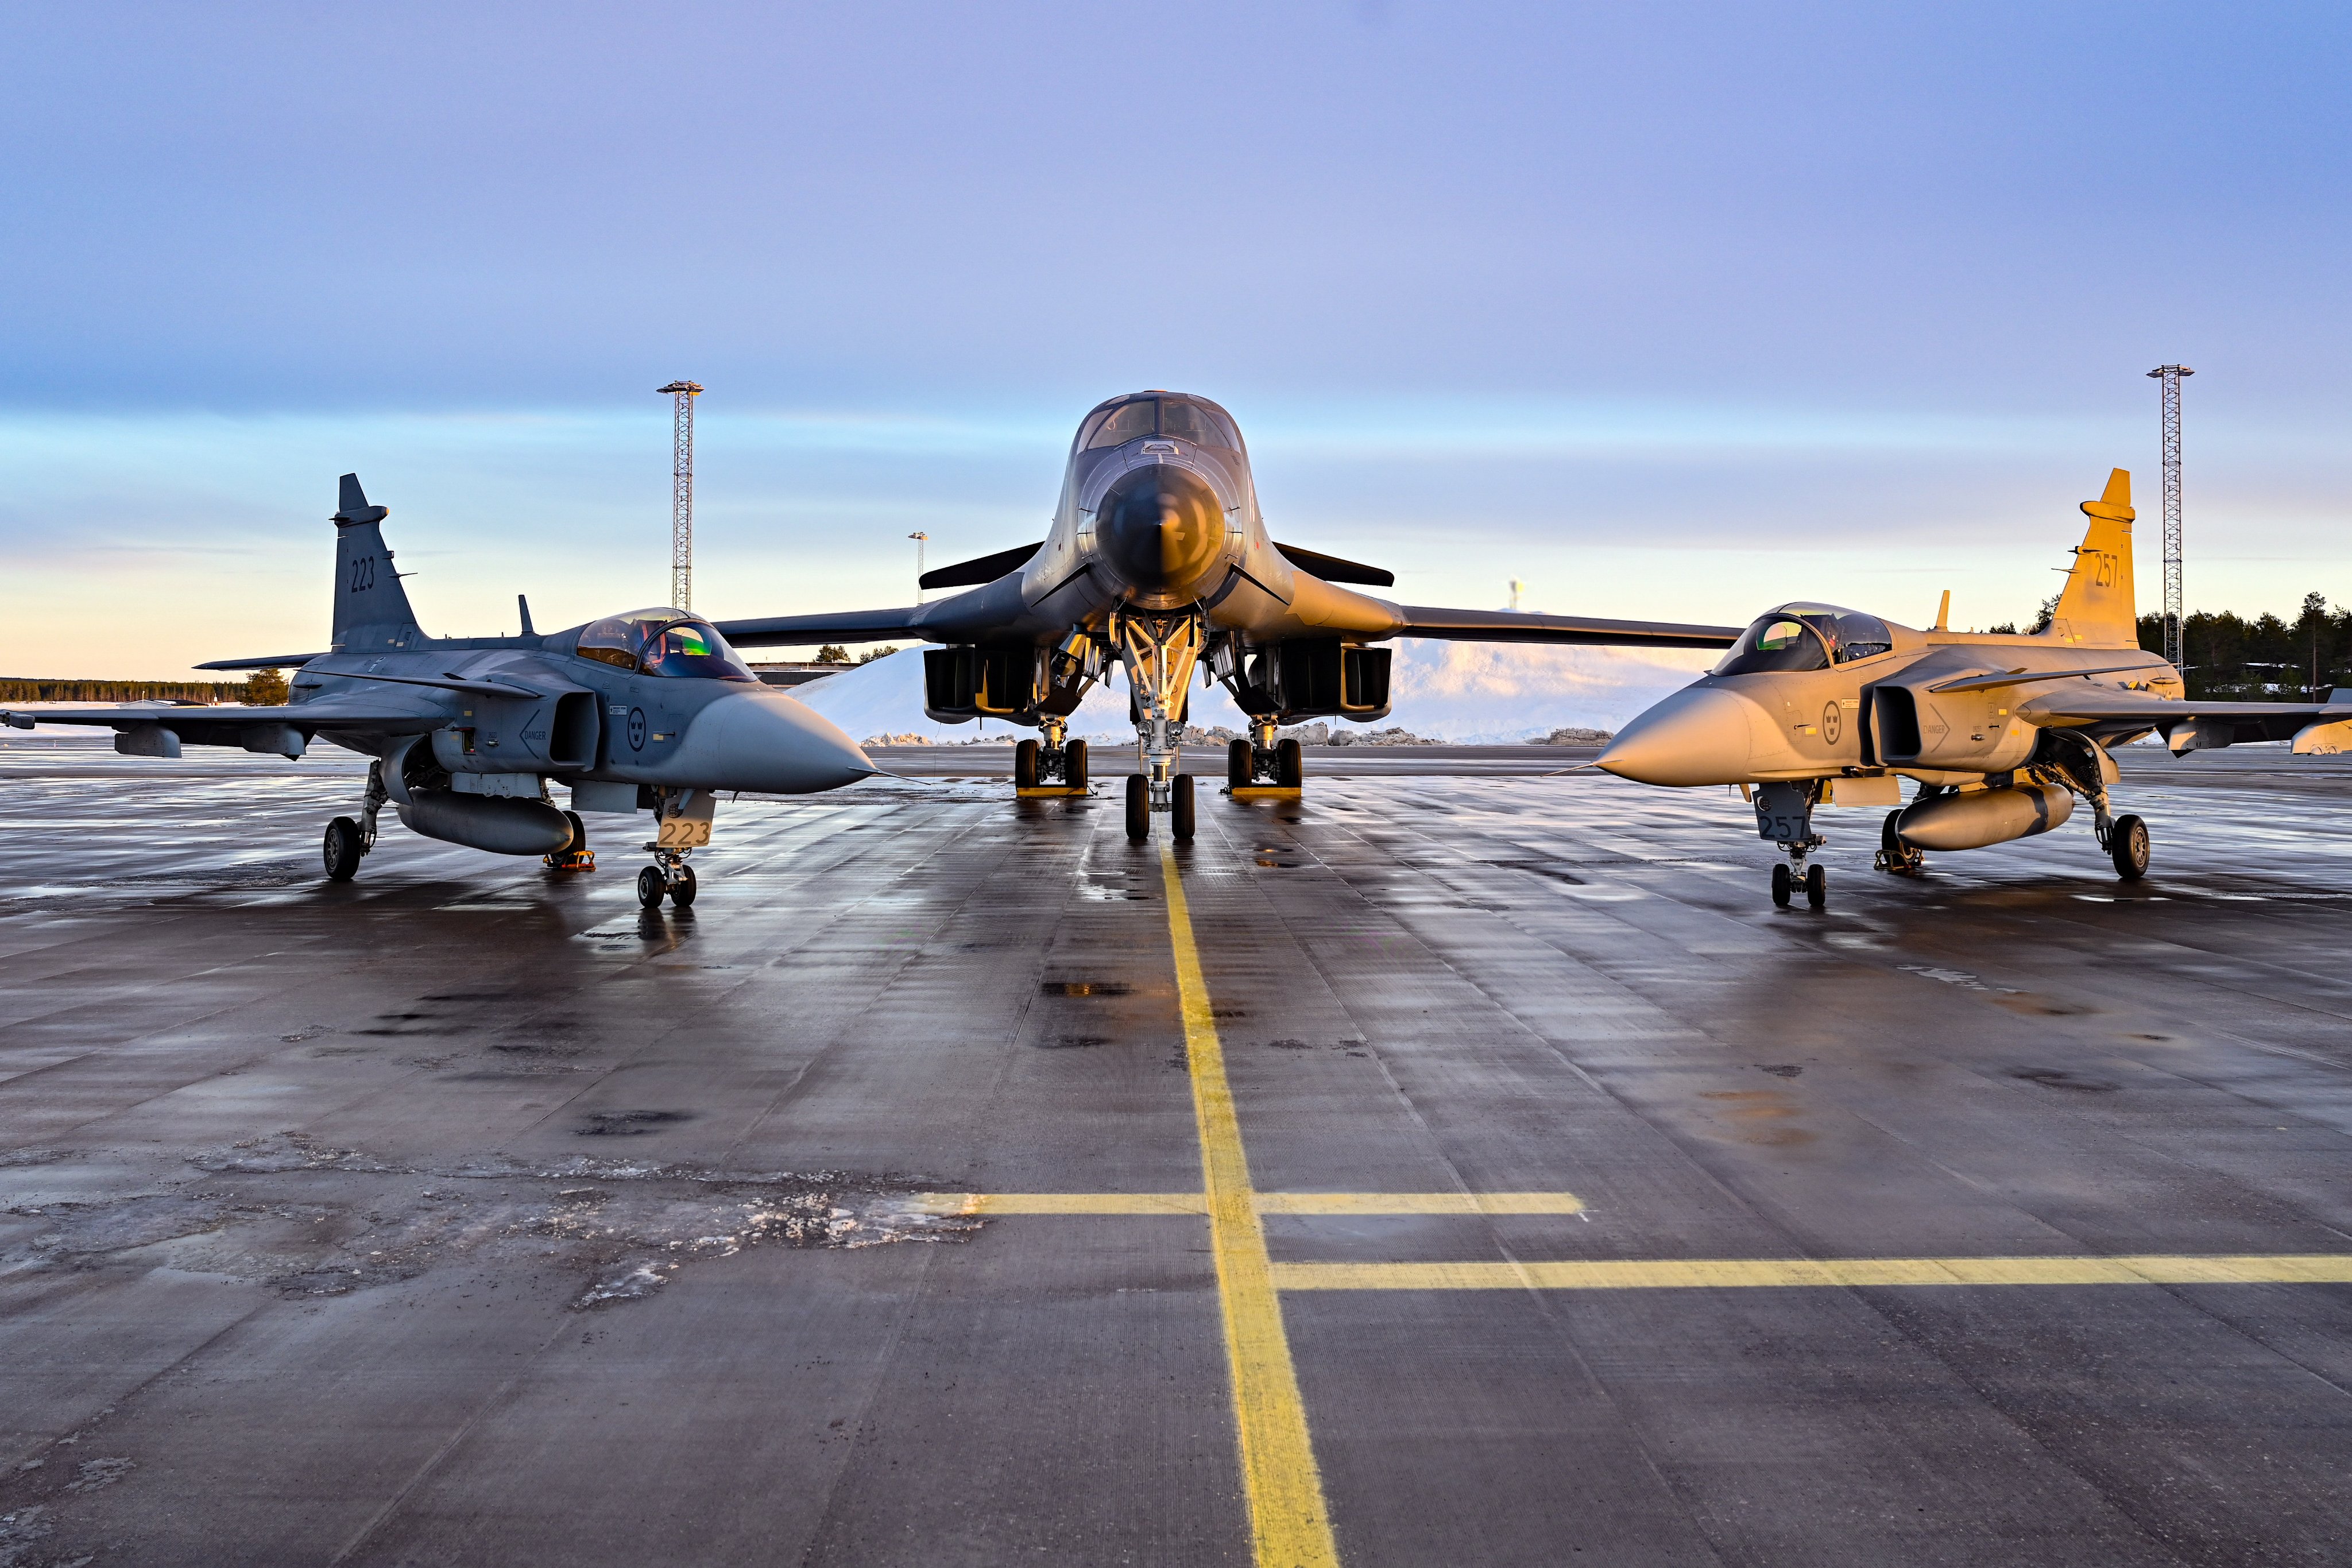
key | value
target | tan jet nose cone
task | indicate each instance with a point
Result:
(1698, 736)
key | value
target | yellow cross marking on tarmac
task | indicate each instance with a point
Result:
(1289, 1524)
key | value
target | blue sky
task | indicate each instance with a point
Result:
(1672, 311)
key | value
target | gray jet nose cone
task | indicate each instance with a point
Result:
(1698, 736)
(765, 741)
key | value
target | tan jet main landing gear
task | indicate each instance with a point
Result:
(1051, 764)
(1263, 760)
(1158, 651)
(348, 841)
(1784, 815)
(681, 825)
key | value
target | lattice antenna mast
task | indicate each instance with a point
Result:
(681, 498)
(2171, 376)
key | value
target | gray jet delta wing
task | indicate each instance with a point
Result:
(1158, 562)
(647, 711)
(2002, 732)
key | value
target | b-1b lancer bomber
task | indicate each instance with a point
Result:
(1159, 562)
(649, 710)
(2002, 732)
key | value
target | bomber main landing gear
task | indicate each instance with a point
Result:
(1784, 815)
(1262, 762)
(1050, 766)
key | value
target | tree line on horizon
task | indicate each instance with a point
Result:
(2229, 657)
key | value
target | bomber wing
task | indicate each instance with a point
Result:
(1516, 626)
(842, 626)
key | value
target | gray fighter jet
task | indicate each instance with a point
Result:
(1158, 562)
(1817, 705)
(649, 711)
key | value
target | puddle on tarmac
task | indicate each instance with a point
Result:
(306, 1219)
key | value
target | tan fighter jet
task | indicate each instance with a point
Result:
(1816, 704)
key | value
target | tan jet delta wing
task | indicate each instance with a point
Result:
(2001, 732)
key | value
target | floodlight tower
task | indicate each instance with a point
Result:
(2171, 376)
(681, 498)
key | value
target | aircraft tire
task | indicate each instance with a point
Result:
(1781, 884)
(1817, 886)
(1179, 808)
(1074, 764)
(1138, 807)
(681, 891)
(579, 833)
(1290, 763)
(1890, 842)
(1025, 766)
(342, 850)
(650, 888)
(2127, 845)
(1240, 761)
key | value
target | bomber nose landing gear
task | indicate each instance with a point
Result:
(1160, 652)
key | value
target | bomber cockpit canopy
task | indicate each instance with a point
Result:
(1805, 637)
(663, 641)
(1192, 419)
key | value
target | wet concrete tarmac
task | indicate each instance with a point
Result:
(1572, 1201)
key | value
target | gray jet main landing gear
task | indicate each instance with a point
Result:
(349, 841)
(1784, 815)
(1158, 651)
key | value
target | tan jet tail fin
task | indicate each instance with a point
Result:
(2095, 607)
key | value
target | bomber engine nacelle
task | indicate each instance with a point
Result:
(1977, 818)
(1963, 732)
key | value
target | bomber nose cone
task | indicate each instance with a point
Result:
(1161, 527)
(767, 742)
(1698, 736)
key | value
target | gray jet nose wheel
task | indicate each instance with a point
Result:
(1138, 807)
(650, 887)
(1781, 884)
(681, 891)
(343, 848)
(2127, 844)
(1817, 886)
(1179, 808)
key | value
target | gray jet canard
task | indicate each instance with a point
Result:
(647, 711)
(2004, 733)
(1158, 562)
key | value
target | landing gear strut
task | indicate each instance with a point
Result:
(348, 841)
(1158, 651)
(1894, 855)
(2082, 768)
(1784, 815)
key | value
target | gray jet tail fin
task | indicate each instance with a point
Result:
(2094, 609)
(370, 604)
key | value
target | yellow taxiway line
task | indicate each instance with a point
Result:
(1196, 1204)
(1289, 1524)
(1718, 1273)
